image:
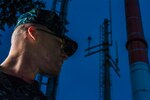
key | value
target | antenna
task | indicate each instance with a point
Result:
(110, 22)
(106, 61)
(89, 42)
(116, 53)
(0, 38)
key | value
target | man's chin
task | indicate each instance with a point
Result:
(50, 74)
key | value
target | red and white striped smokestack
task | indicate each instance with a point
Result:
(137, 51)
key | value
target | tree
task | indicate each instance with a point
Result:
(11, 9)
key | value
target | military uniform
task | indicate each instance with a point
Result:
(14, 88)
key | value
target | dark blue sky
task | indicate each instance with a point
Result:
(79, 78)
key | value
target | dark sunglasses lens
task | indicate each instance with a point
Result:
(69, 48)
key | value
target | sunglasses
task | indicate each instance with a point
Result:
(52, 33)
(66, 46)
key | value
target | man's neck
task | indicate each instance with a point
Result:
(19, 67)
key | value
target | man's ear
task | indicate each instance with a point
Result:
(32, 32)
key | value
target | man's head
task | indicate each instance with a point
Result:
(41, 36)
(53, 22)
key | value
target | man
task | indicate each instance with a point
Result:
(38, 45)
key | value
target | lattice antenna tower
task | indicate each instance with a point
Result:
(105, 60)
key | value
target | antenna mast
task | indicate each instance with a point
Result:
(106, 61)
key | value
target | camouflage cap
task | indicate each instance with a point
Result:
(53, 22)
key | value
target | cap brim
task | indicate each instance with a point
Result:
(70, 46)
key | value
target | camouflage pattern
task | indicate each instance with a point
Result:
(13, 88)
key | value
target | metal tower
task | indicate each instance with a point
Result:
(0, 38)
(138, 52)
(51, 82)
(106, 61)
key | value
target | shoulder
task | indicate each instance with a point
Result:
(5, 85)
(12, 87)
